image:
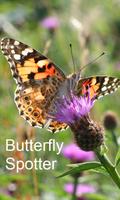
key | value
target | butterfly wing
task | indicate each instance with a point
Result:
(28, 65)
(97, 86)
(38, 80)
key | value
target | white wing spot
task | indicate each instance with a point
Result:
(109, 86)
(12, 51)
(100, 96)
(106, 93)
(16, 43)
(12, 47)
(2, 42)
(17, 56)
(113, 84)
(26, 51)
(115, 89)
(106, 81)
(104, 88)
(115, 79)
(111, 91)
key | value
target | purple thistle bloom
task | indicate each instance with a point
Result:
(81, 189)
(50, 23)
(74, 153)
(68, 110)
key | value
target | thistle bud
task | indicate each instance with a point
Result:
(110, 121)
(87, 133)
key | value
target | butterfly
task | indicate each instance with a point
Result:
(39, 81)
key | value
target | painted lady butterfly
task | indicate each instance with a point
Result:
(39, 81)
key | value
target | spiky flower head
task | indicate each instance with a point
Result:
(74, 111)
(68, 110)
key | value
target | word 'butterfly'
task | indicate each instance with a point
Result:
(39, 81)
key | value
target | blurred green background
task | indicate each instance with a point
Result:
(92, 27)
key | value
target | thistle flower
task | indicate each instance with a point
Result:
(72, 109)
(51, 23)
(74, 112)
(81, 190)
(75, 154)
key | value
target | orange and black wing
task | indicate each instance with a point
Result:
(26, 63)
(38, 80)
(97, 86)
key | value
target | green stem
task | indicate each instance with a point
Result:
(75, 187)
(114, 138)
(109, 167)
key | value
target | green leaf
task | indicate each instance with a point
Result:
(117, 158)
(100, 170)
(77, 168)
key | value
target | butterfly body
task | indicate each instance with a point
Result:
(40, 83)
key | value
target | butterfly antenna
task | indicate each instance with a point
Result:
(72, 56)
(91, 62)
